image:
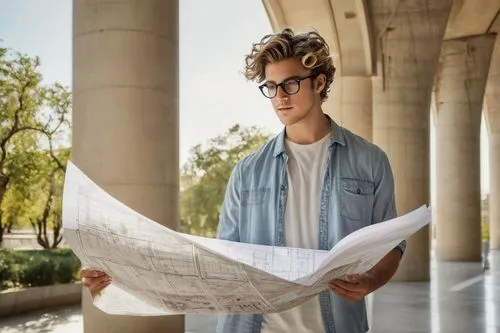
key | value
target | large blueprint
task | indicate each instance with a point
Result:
(157, 271)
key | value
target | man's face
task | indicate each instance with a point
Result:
(293, 106)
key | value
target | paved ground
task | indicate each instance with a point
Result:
(69, 320)
(460, 299)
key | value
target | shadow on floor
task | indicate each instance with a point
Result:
(68, 319)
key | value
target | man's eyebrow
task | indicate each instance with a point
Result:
(288, 78)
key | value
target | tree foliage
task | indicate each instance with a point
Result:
(47, 213)
(34, 119)
(205, 176)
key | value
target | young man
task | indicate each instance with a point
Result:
(308, 187)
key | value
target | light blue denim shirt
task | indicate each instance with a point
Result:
(358, 189)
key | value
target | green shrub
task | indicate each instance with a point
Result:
(10, 268)
(26, 268)
(39, 271)
(68, 269)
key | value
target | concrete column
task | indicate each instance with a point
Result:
(492, 98)
(125, 135)
(459, 93)
(351, 104)
(408, 38)
(494, 207)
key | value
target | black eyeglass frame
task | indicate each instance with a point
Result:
(282, 85)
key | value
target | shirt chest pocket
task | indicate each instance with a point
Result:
(356, 199)
(255, 196)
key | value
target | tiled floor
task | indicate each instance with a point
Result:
(460, 299)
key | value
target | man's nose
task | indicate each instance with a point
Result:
(280, 92)
(282, 101)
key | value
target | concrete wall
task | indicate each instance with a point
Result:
(30, 299)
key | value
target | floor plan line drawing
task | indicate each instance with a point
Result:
(159, 271)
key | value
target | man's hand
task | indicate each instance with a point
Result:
(356, 287)
(96, 281)
(359, 285)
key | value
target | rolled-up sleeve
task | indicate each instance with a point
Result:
(228, 227)
(384, 207)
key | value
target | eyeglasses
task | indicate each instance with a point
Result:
(290, 86)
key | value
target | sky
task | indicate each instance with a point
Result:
(214, 37)
(213, 94)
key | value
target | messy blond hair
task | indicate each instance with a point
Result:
(308, 47)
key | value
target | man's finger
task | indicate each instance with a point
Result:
(98, 287)
(354, 277)
(364, 280)
(90, 282)
(348, 286)
(345, 294)
(338, 288)
(88, 273)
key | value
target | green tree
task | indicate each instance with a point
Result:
(24, 186)
(205, 176)
(33, 116)
(35, 199)
(51, 214)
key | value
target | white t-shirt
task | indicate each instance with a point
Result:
(306, 169)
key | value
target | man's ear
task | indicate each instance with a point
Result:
(320, 83)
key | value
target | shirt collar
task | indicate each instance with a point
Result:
(336, 137)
